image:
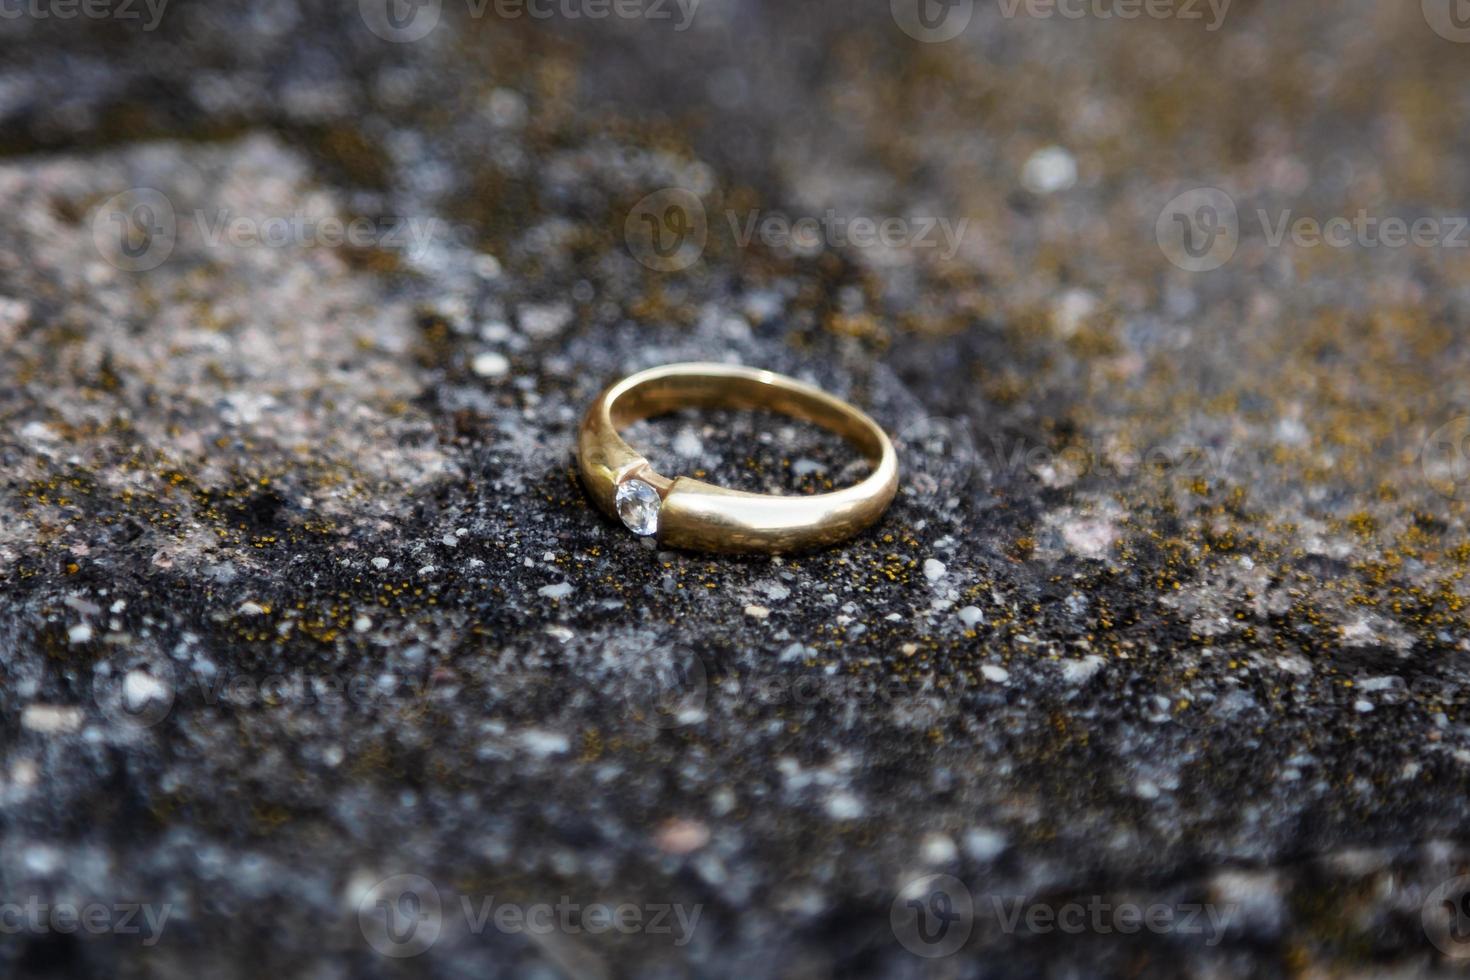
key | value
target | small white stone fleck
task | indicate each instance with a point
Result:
(757, 612)
(997, 674)
(934, 569)
(844, 806)
(559, 591)
(680, 836)
(1071, 309)
(251, 609)
(487, 266)
(688, 444)
(1081, 671)
(380, 563)
(983, 844)
(938, 849)
(79, 633)
(1049, 170)
(118, 606)
(543, 743)
(793, 651)
(50, 719)
(362, 624)
(1362, 707)
(971, 615)
(489, 364)
(449, 540)
(1146, 790)
(546, 320)
(1089, 538)
(141, 687)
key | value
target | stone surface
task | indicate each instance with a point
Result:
(304, 611)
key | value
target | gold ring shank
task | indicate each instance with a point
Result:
(703, 517)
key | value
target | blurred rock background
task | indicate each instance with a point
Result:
(300, 305)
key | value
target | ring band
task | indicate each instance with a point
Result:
(692, 514)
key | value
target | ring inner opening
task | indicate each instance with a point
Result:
(666, 395)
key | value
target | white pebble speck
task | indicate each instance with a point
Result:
(688, 445)
(1049, 170)
(997, 674)
(938, 849)
(757, 612)
(141, 687)
(934, 569)
(545, 321)
(971, 615)
(544, 743)
(79, 633)
(380, 563)
(559, 591)
(491, 365)
(844, 806)
(984, 845)
(1363, 707)
(50, 719)
(1081, 671)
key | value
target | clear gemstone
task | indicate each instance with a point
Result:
(638, 505)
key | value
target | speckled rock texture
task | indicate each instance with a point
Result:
(299, 593)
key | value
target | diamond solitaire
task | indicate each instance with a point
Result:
(638, 505)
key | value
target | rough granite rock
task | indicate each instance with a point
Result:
(299, 593)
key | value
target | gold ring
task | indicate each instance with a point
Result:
(688, 513)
